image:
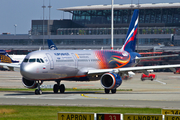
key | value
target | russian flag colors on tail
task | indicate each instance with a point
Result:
(130, 42)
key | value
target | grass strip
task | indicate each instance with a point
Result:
(15, 112)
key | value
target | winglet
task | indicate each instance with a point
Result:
(51, 45)
(130, 41)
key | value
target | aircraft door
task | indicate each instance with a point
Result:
(51, 61)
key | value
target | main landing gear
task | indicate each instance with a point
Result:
(59, 86)
(38, 91)
(108, 90)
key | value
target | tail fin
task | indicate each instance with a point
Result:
(130, 42)
(51, 45)
(5, 58)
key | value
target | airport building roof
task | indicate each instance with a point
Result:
(122, 6)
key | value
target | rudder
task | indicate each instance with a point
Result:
(130, 42)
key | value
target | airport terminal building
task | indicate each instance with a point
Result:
(90, 28)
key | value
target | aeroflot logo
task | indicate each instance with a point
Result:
(61, 54)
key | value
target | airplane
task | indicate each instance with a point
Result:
(9, 60)
(4, 57)
(108, 66)
(12, 62)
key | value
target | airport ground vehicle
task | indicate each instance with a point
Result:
(177, 71)
(148, 77)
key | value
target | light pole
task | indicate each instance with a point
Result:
(43, 23)
(15, 25)
(112, 26)
(138, 30)
(49, 18)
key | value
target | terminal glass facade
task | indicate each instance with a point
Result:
(117, 31)
(85, 42)
(168, 15)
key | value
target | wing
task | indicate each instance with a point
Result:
(126, 69)
(10, 65)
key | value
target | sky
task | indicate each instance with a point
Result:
(21, 12)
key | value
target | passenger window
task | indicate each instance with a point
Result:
(25, 60)
(38, 60)
(32, 60)
(42, 60)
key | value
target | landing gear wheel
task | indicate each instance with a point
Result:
(106, 91)
(55, 88)
(62, 88)
(38, 92)
(113, 90)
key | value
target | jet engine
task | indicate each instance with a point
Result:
(29, 83)
(110, 81)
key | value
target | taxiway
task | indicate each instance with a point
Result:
(165, 92)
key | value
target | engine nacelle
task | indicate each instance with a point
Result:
(29, 83)
(110, 80)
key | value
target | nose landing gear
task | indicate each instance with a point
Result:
(38, 91)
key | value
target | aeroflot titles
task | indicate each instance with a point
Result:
(61, 54)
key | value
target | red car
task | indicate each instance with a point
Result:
(177, 71)
(148, 77)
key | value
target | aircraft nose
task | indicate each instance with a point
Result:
(25, 71)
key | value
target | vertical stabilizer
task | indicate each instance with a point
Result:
(130, 42)
(5, 58)
(51, 45)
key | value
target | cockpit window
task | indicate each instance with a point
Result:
(25, 60)
(42, 60)
(38, 60)
(32, 60)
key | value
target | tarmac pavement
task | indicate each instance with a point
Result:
(164, 92)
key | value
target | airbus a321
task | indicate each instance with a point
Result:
(108, 66)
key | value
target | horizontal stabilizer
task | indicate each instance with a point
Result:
(152, 57)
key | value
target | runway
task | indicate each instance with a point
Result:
(144, 94)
